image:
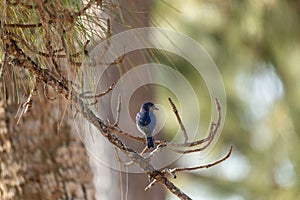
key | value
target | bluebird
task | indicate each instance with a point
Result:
(146, 121)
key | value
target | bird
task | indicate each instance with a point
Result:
(146, 121)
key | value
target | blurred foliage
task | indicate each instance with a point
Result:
(256, 46)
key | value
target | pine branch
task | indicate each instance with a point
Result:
(19, 59)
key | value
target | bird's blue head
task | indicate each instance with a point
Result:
(148, 106)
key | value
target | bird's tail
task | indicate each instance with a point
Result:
(150, 142)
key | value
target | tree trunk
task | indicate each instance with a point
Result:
(42, 158)
(134, 14)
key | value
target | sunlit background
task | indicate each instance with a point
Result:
(256, 46)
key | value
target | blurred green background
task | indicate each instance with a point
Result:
(256, 46)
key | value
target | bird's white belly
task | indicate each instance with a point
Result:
(148, 130)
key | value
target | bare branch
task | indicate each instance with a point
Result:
(3, 62)
(97, 96)
(108, 32)
(110, 88)
(189, 144)
(211, 136)
(28, 104)
(118, 112)
(213, 130)
(144, 150)
(18, 25)
(150, 185)
(26, 107)
(23, 42)
(125, 164)
(158, 149)
(171, 173)
(123, 133)
(203, 166)
(179, 120)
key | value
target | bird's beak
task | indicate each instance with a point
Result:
(155, 108)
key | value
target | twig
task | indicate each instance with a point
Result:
(213, 131)
(3, 62)
(118, 112)
(18, 25)
(97, 96)
(210, 137)
(191, 144)
(116, 130)
(171, 173)
(125, 164)
(120, 172)
(110, 88)
(144, 150)
(158, 149)
(28, 104)
(204, 166)
(23, 42)
(108, 32)
(150, 185)
(179, 120)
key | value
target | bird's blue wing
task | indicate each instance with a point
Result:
(143, 118)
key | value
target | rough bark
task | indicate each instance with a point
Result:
(41, 158)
